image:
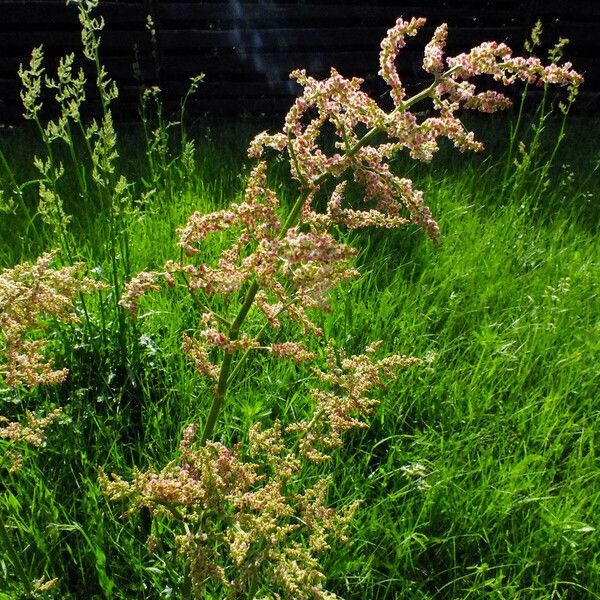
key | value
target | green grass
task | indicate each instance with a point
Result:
(479, 475)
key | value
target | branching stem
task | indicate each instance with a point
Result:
(225, 374)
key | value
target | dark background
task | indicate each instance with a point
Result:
(246, 49)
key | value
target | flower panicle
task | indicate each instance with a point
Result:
(31, 296)
(32, 434)
(294, 263)
(269, 521)
(393, 42)
(136, 288)
(31, 80)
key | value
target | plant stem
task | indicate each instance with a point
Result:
(514, 131)
(222, 384)
(14, 557)
(19, 191)
(234, 330)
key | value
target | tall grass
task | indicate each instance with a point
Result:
(504, 422)
(479, 474)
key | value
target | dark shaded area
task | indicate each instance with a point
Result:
(247, 49)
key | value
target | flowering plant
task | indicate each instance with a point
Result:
(32, 295)
(33, 299)
(250, 524)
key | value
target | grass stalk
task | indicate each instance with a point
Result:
(13, 556)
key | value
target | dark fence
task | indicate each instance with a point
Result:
(246, 49)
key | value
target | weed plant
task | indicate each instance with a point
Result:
(478, 474)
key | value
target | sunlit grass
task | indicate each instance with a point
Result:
(479, 474)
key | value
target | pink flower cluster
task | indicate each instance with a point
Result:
(136, 288)
(390, 46)
(31, 297)
(342, 400)
(254, 518)
(294, 350)
(33, 434)
(340, 102)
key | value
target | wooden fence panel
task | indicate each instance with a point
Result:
(246, 48)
